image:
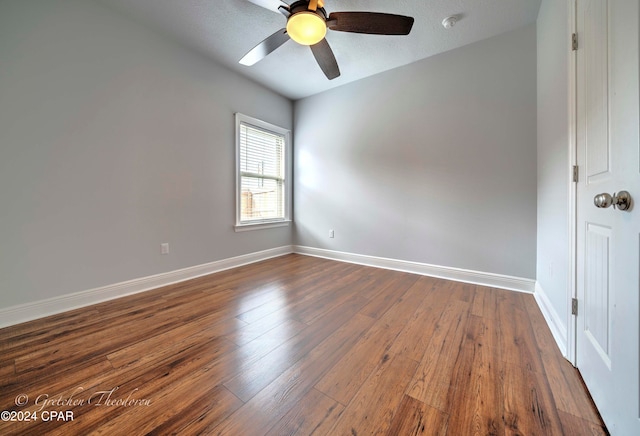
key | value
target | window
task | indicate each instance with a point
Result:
(262, 174)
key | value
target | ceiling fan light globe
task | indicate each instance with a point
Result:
(306, 28)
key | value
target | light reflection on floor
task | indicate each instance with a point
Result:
(266, 312)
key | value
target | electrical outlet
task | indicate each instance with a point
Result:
(332, 233)
(164, 248)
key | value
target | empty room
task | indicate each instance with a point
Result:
(338, 217)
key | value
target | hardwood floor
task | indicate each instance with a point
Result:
(295, 345)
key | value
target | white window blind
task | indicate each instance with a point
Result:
(261, 172)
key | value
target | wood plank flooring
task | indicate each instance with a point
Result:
(295, 345)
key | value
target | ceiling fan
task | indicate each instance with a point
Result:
(307, 24)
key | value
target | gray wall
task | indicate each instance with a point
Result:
(434, 162)
(113, 140)
(553, 259)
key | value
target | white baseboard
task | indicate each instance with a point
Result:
(554, 321)
(444, 272)
(51, 306)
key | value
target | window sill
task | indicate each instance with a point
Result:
(259, 226)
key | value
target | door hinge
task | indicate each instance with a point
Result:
(574, 306)
(574, 41)
(575, 173)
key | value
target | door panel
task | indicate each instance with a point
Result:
(596, 89)
(597, 317)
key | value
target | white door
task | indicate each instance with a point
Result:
(608, 239)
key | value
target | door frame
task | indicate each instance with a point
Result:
(572, 290)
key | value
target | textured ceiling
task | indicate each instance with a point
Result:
(226, 29)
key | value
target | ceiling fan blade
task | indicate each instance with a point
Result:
(272, 5)
(261, 50)
(375, 23)
(327, 61)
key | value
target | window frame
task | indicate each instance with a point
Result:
(241, 226)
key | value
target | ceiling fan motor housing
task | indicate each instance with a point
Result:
(301, 6)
